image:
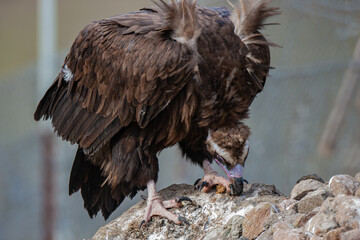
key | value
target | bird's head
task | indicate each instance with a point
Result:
(229, 147)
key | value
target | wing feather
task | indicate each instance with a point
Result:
(125, 69)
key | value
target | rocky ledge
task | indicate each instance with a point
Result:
(314, 210)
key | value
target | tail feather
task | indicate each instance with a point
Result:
(88, 177)
(97, 194)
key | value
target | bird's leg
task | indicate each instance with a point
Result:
(157, 207)
(211, 178)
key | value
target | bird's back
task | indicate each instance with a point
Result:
(232, 70)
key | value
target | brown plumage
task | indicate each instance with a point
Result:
(137, 83)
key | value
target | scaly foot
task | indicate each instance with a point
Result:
(157, 207)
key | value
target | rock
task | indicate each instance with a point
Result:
(257, 189)
(281, 225)
(261, 213)
(334, 234)
(288, 204)
(357, 193)
(340, 211)
(314, 237)
(357, 177)
(324, 220)
(266, 235)
(350, 235)
(304, 187)
(311, 176)
(254, 220)
(294, 234)
(211, 215)
(343, 184)
(348, 211)
(313, 199)
(320, 224)
(302, 218)
(283, 230)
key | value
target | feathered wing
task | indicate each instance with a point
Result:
(119, 70)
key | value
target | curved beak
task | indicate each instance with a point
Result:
(235, 175)
(237, 187)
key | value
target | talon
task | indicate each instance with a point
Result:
(142, 223)
(183, 220)
(143, 197)
(244, 180)
(231, 189)
(181, 199)
(203, 184)
(196, 183)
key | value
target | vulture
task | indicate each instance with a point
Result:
(137, 83)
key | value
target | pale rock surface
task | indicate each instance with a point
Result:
(350, 235)
(343, 184)
(212, 216)
(262, 213)
(357, 177)
(313, 199)
(302, 218)
(347, 211)
(288, 204)
(314, 237)
(253, 223)
(283, 230)
(304, 187)
(334, 234)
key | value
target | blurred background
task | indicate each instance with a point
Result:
(305, 121)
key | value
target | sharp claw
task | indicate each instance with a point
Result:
(196, 183)
(183, 220)
(203, 184)
(244, 180)
(142, 223)
(143, 197)
(231, 189)
(181, 199)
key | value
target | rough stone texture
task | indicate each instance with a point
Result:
(261, 213)
(254, 220)
(357, 177)
(211, 215)
(294, 234)
(340, 211)
(314, 237)
(313, 199)
(343, 184)
(320, 224)
(334, 234)
(283, 230)
(288, 204)
(350, 235)
(311, 176)
(357, 193)
(304, 187)
(348, 211)
(301, 218)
